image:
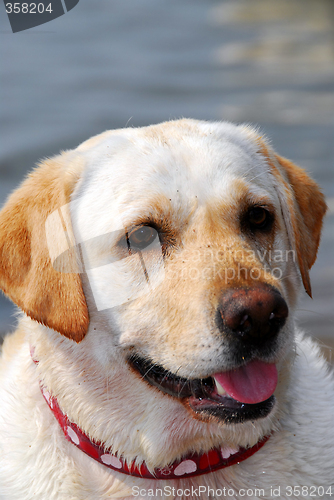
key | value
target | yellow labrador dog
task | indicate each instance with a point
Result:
(158, 270)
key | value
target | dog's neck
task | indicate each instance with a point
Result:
(193, 464)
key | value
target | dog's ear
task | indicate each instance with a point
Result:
(303, 207)
(27, 276)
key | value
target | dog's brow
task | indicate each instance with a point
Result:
(160, 223)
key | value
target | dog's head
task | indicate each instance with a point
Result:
(169, 258)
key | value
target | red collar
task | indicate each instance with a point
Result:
(192, 464)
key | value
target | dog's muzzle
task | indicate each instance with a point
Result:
(249, 319)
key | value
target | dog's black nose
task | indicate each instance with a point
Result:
(253, 314)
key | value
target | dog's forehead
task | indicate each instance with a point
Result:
(177, 161)
(185, 153)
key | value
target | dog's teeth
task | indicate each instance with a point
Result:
(221, 391)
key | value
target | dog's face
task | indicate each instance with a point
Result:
(191, 241)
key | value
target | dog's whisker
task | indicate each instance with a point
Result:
(261, 174)
(150, 369)
(189, 377)
(317, 313)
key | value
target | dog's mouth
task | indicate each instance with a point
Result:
(234, 396)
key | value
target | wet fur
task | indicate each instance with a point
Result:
(195, 179)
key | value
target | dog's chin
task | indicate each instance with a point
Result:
(200, 396)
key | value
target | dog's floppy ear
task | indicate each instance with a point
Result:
(51, 297)
(303, 207)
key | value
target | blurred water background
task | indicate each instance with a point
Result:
(117, 63)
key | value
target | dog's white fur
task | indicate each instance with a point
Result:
(194, 177)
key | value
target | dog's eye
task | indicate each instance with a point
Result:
(259, 218)
(141, 238)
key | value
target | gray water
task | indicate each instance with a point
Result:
(110, 64)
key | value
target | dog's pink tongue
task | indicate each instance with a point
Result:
(252, 383)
